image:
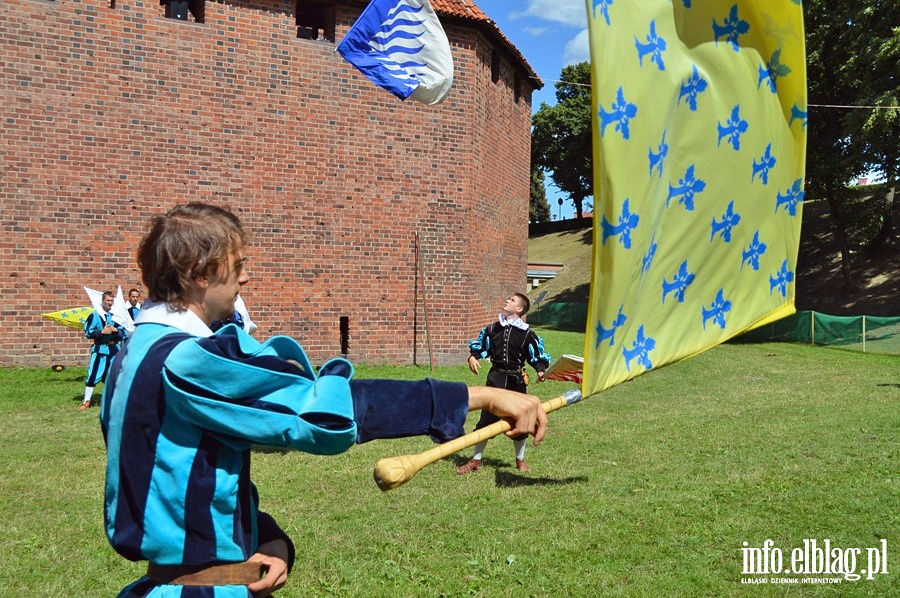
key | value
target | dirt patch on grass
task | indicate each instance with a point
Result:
(875, 290)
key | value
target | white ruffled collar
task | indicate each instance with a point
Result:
(159, 312)
(514, 321)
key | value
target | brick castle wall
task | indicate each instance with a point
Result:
(111, 115)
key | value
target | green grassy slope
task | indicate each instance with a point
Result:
(572, 248)
(819, 283)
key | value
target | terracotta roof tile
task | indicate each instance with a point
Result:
(459, 8)
(468, 10)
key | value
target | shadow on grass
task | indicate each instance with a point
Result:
(505, 479)
(262, 448)
(585, 236)
(459, 459)
(508, 479)
(64, 379)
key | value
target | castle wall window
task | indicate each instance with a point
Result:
(315, 20)
(179, 9)
(495, 65)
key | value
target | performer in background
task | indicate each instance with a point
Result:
(510, 344)
(240, 318)
(184, 406)
(107, 337)
(134, 305)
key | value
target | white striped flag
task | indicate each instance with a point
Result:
(400, 46)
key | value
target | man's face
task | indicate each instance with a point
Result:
(224, 288)
(512, 305)
(107, 303)
(133, 298)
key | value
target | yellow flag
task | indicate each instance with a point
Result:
(699, 149)
(73, 318)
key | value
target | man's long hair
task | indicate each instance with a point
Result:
(190, 241)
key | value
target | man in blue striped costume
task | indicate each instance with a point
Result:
(134, 303)
(183, 406)
(107, 337)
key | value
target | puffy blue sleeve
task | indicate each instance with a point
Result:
(268, 393)
(250, 393)
(480, 347)
(537, 356)
(92, 326)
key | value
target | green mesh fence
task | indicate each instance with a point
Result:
(857, 333)
(562, 316)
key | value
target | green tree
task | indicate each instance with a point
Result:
(875, 64)
(852, 56)
(561, 139)
(538, 208)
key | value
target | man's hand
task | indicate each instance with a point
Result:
(274, 558)
(523, 412)
(474, 365)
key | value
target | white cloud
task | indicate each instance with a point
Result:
(577, 49)
(536, 31)
(568, 12)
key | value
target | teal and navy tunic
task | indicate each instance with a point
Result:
(105, 346)
(182, 408)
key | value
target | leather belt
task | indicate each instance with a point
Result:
(507, 371)
(229, 574)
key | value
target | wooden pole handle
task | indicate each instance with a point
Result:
(391, 472)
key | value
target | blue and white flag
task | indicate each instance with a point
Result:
(400, 46)
(119, 311)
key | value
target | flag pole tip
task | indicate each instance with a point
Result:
(572, 396)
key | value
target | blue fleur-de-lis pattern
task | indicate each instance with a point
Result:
(679, 283)
(653, 46)
(790, 200)
(765, 164)
(619, 114)
(771, 71)
(753, 252)
(639, 350)
(605, 333)
(731, 29)
(658, 157)
(781, 279)
(733, 128)
(601, 8)
(628, 221)
(726, 224)
(691, 89)
(700, 120)
(74, 317)
(688, 186)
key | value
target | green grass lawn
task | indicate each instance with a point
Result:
(648, 489)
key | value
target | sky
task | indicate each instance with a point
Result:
(550, 34)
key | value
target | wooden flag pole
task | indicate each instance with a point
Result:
(391, 472)
(424, 301)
